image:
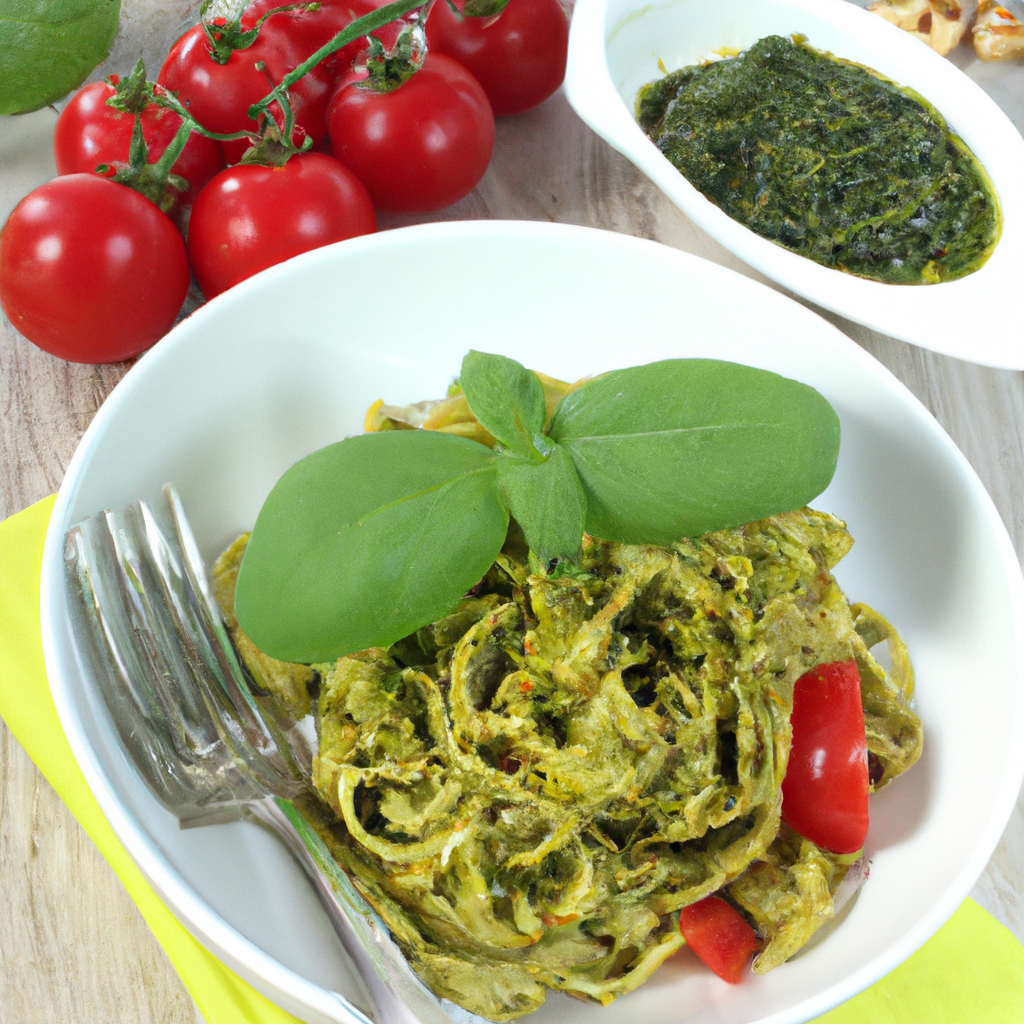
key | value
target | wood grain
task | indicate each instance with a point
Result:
(72, 945)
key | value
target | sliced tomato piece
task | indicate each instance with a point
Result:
(825, 791)
(720, 935)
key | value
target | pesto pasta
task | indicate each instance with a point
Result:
(530, 788)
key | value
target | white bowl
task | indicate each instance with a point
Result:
(289, 360)
(617, 46)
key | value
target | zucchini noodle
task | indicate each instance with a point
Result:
(530, 788)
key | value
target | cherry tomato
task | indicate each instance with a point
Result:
(720, 935)
(518, 56)
(306, 31)
(422, 146)
(250, 217)
(218, 96)
(825, 791)
(88, 133)
(90, 270)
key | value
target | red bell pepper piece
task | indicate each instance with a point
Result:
(825, 791)
(720, 935)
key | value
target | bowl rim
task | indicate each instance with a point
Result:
(263, 971)
(956, 318)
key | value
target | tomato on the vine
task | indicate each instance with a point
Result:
(250, 217)
(90, 270)
(219, 96)
(518, 56)
(825, 791)
(419, 147)
(89, 133)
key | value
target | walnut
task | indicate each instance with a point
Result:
(939, 23)
(998, 35)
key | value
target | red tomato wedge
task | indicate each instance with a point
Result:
(720, 935)
(825, 791)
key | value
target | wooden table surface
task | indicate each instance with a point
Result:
(72, 945)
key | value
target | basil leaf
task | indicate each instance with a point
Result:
(47, 47)
(680, 447)
(367, 540)
(546, 499)
(507, 399)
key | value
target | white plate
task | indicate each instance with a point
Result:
(289, 360)
(616, 46)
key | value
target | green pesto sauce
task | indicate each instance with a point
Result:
(828, 159)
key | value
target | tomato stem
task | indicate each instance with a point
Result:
(224, 37)
(171, 102)
(484, 8)
(387, 70)
(271, 146)
(155, 181)
(360, 27)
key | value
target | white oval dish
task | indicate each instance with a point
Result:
(289, 361)
(617, 46)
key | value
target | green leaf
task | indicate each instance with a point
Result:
(546, 499)
(507, 399)
(48, 47)
(684, 446)
(367, 540)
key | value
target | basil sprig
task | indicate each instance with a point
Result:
(367, 540)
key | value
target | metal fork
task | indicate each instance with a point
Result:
(207, 748)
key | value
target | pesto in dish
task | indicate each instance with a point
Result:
(828, 159)
(530, 788)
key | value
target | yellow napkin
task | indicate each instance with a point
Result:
(971, 970)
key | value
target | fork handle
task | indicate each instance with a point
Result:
(392, 988)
